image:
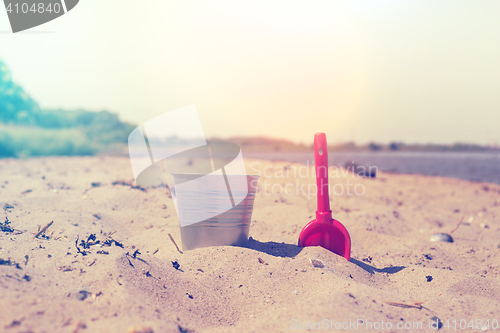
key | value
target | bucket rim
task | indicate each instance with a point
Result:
(205, 174)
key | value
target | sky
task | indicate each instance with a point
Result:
(413, 71)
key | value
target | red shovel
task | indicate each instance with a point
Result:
(325, 231)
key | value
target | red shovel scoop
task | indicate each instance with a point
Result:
(325, 231)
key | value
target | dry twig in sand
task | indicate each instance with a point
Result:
(172, 239)
(458, 225)
(415, 305)
(43, 230)
(108, 238)
(403, 305)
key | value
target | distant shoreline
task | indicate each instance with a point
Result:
(472, 166)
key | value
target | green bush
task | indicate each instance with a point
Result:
(26, 130)
(17, 141)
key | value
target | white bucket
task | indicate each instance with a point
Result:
(228, 228)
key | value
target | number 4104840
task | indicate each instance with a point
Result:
(35, 8)
(472, 324)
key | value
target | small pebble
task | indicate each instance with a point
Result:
(441, 237)
(471, 219)
(80, 294)
(316, 263)
(483, 225)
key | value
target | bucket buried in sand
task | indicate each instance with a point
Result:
(208, 196)
(212, 193)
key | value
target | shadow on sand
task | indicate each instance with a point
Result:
(371, 269)
(274, 249)
(291, 250)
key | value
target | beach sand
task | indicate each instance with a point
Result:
(48, 285)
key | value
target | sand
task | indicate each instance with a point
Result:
(142, 283)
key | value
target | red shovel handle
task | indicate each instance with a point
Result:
(321, 163)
